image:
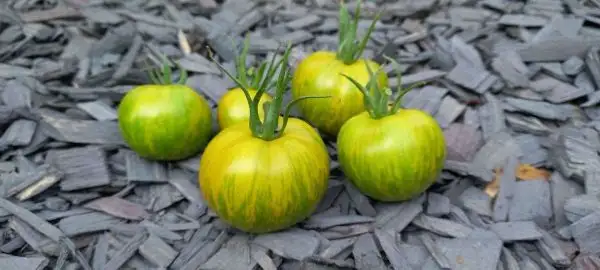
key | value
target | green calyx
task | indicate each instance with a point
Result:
(261, 82)
(164, 74)
(350, 48)
(377, 99)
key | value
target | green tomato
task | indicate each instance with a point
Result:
(165, 122)
(393, 158)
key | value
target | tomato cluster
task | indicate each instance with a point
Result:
(265, 171)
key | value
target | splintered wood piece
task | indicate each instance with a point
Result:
(84, 167)
(126, 252)
(118, 207)
(45, 228)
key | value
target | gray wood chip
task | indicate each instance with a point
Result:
(143, 170)
(16, 94)
(325, 222)
(83, 167)
(506, 190)
(99, 110)
(118, 207)
(473, 78)
(516, 231)
(294, 243)
(45, 228)
(509, 260)
(234, 255)
(466, 253)
(359, 200)
(551, 249)
(449, 110)
(573, 65)
(157, 197)
(304, 22)
(437, 205)
(366, 254)
(442, 226)
(126, 252)
(562, 189)
(580, 206)
(9, 262)
(337, 247)
(19, 133)
(80, 131)
(592, 182)
(586, 232)
(428, 99)
(531, 201)
(87, 223)
(393, 254)
(296, 37)
(512, 69)
(397, 217)
(540, 109)
(436, 252)
(491, 116)
(462, 142)
(477, 201)
(523, 20)
(592, 61)
(421, 76)
(556, 49)
(28, 184)
(562, 92)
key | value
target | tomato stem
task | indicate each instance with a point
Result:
(350, 48)
(266, 130)
(165, 76)
(377, 99)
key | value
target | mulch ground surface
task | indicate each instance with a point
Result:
(514, 84)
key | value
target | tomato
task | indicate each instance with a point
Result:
(264, 176)
(389, 153)
(165, 121)
(394, 158)
(319, 74)
(233, 107)
(262, 186)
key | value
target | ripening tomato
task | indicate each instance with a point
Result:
(165, 121)
(233, 107)
(265, 176)
(319, 74)
(387, 152)
(262, 186)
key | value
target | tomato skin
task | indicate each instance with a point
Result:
(394, 158)
(165, 122)
(319, 75)
(233, 107)
(263, 186)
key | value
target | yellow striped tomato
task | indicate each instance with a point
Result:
(165, 121)
(233, 107)
(319, 74)
(401, 151)
(265, 176)
(261, 186)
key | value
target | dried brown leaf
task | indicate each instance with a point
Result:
(525, 172)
